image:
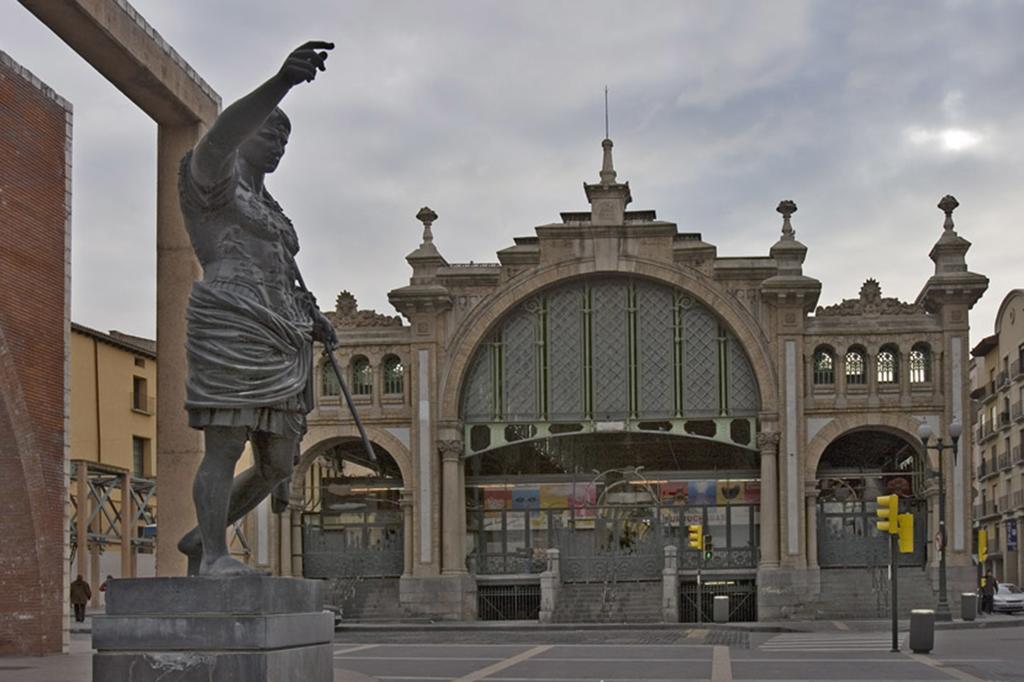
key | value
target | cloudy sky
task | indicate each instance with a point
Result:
(865, 113)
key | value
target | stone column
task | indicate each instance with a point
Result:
(128, 528)
(178, 447)
(550, 581)
(284, 533)
(670, 586)
(407, 533)
(768, 443)
(811, 514)
(454, 507)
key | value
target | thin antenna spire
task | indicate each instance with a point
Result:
(606, 136)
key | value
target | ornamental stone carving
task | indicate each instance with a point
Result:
(347, 315)
(450, 449)
(870, 302)
(768, 442)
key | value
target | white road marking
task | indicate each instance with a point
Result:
(823, 641)
(721, 670)
(507, 663)
(361, 647)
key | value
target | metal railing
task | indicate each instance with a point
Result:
(1004, 461)
(742, 600)
(1015, 411)
(1003, 379)
(508, 602)
(142, 403)
(1004, 502)
(1018, 499)
(1015, 369)
(1004, 420)
(983, 468)
(1017, 457)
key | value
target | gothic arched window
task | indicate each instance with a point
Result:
(362, 377)
(920, 364)
(394, 375)
(856, 366)
(888, 369)
(824, 366)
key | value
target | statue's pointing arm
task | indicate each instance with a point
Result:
(215, 153)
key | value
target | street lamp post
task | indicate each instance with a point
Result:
(924, 432)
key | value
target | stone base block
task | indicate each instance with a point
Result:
(445, 597)
(253, 628)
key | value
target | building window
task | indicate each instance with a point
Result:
(329, 385)
(362, 377)
(394, 376)
(888, 365)
(140, 451)
(824, 367)
(856, 370)
(140, 362)
(920, 364)
(140, 398)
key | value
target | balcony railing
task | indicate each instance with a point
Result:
(1017, 456)
(1016, 413)
(1016, 369)
(983, 469)
(1003, 379)
(1018, 499)
(1004, 502)
(142, 403)
(1004, 461)
(985, 431)
(1004, 420)
(988, 508)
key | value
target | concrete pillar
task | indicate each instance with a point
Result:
(768, 443)
(407, 533)
(179, 448)
(670, 585)
(284, 532)
(453, 498)
(296, 543)
(811, 514)
(82, 519)
(128, 528)
(550, 581)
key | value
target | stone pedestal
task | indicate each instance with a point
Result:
(254, 628)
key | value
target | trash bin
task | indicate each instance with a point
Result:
(922, 630)
(721, 609)
(968, 605)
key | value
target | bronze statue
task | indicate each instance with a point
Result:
(250, 321)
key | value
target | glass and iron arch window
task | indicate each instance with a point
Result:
(888, 365)
(824, 366)
(856, 366)
(920, 364)
(394, 375)
(329, 385)
(362, 376)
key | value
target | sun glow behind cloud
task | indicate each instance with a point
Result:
(947, 139)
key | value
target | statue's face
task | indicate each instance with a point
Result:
(264, 148)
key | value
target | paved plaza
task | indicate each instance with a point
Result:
(832, 650)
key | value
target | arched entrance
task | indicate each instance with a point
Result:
(853, 471)
(352, 514)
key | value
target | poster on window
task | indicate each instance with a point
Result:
(525, 498)
(703, 492)
(1011, 535)
(674, 492)
(728, 492)
(497, 498)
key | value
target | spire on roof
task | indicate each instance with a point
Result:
(607, 168)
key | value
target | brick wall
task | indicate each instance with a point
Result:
(35, 185)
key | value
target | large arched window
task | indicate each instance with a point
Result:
(362, 377)
(824, 366)
(329, 385)
(888, 365)
(856, 366)
(920, 364)
(394, 376)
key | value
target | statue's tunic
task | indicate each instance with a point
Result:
(249, 347)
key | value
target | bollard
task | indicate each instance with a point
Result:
(720, 612)
(968, 605)
(922, 630)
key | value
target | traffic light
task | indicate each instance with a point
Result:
(905, 524)
(695, 535)
(709, 547)
(888, 512)
(982, 546)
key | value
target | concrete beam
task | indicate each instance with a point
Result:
(117, 41)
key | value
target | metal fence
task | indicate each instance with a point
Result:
(508, 602)
(742, 600)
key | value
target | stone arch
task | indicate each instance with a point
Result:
(901, 425)
(492, 309)
(312, 445)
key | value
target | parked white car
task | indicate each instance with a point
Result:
(1008, 598)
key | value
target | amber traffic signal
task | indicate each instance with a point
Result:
(888, 511)
(905, 530)
(696, 536)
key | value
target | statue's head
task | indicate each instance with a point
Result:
(263, 149)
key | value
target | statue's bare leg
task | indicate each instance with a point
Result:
(273, 455)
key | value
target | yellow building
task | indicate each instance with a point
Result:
(113, 441)
(998, 392)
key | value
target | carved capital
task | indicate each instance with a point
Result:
(451, 450)
(768, 442)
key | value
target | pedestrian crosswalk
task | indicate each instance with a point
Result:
(830, 641)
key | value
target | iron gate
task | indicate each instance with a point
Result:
(742, 600)
(621, 548)
(508, 602)
(848, 538)
(363, 550)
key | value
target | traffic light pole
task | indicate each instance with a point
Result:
(894, 561)
(700, 599)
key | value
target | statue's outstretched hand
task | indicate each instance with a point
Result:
(303, 63)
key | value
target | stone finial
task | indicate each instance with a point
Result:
(607, 169)
(787, 207)
(427, 216)
(947, 205)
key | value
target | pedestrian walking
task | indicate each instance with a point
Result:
(81, 593)
(988, 592)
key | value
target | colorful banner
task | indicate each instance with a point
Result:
(703, 492)
(525, 498)
(728, 491)
(674, 492)
(497, 498)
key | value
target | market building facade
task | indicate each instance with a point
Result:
(547, 427)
